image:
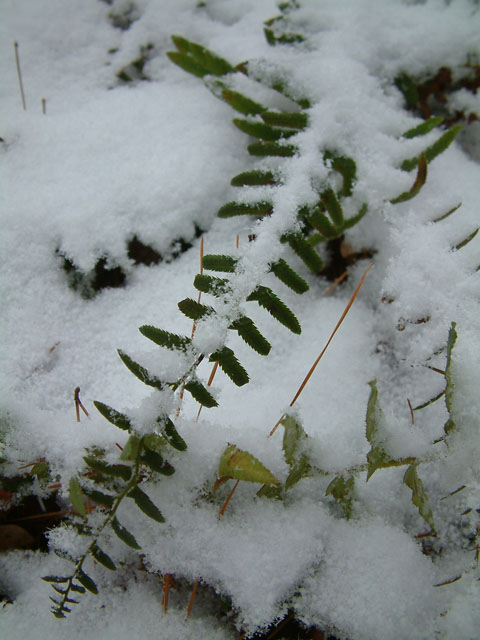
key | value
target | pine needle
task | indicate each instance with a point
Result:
(230, 495)
(192, 598)
(313, 367)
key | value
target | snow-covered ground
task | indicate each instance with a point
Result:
(106, 161)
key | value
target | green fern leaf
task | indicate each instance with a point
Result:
(181, 43)
(423, 128)
(87, 582)
(351, 222)
(272, 303)
(104, 559)
(152, 459)
(75, 495)
(285, 38)
(209, 284)
(165, 338)
(242, 208)
(285, 119)
(193, 309)
(120, 420)
(346, 167)
(114, 470)
(333, 207)
(435, 149)
(450, 386)
(103, 499)
(409, 89)
(214, 64)
(271, 149)
(144, 503)
(140, 372)
(284, 272)
(305, 252)
(468, 239)
(241, 103)
(200, 393)
(77, 588)
(199, 57)
(253, 178)
(131, 449)
(187, 63)
(320, 221)
(251, 335)
(214, 262)
(172, 436)
(230, 365)
(261, 130)
(56, 579)
(124, 535)
(417, 185)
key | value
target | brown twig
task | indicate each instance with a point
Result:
(230, 495)
(19, 74)
(192, 599)
(167, 582)
(78, 404)
(411, 411)
(313, 367)
(335, 283)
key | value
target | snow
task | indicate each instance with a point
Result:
(153, 159)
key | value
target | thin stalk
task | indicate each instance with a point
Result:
(313, 367)
(19, 74)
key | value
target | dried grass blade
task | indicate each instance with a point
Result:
(313, 367)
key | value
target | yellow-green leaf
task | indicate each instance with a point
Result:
(241, 465)
(76, 496)
(419, 496)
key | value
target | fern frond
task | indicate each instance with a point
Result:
(278, 309)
